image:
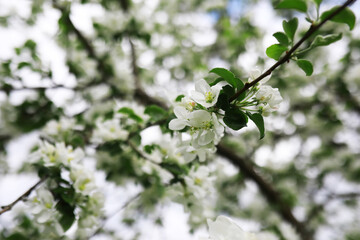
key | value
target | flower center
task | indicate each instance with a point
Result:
(209, 97)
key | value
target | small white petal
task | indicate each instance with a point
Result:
(202, 86)
(177, 124)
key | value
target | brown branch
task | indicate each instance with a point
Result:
(22, 197)
(312, 29)
(270, 193)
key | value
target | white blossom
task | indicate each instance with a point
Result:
(57, 154)
(109, 130)
(224, 228)
(182, 119)
(43, 206)
(255, 73)
(199, 181)
(84, 180)
(269, 99)
(204, 94)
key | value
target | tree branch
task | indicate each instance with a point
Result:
(22, 197)
(270, 193)
(312, 29)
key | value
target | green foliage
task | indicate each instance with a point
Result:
(131, 114)
(275, 51)
(306, 66)
(290, 27)
(282, 38)
(226, 75)
(299, 5)
(345, 16)
(178, 98)
(258, 119)
(325, 40)
(235, 118)
(67, 214)
(317, 2)
(156, 113)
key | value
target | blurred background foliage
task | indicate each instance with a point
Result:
(310, 154)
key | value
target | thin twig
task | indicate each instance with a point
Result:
(22, 197)
(313, 28)
(125, 205)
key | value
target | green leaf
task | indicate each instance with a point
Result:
(226, 75)
(240, 85)
(131, 114)
(155, 112)
(306, 66)
(178, 98)
(228, 90)
(290, 27)
(299, 5)
(257, 118)
(325, 40)
(223, 101)
(216, 81)
(235, 118)
(318, 2)
(282, 38)
(345, 16)
(275, 51)
(67, 214)
(17, 236)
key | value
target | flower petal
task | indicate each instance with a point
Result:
(202, 86)
(177, 124)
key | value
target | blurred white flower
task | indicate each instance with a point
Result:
(199, 181)
(84, 180)
(204, 94)
(57, 154)
(255, 73)
(43, 206)
(109, 130)
(224, 228)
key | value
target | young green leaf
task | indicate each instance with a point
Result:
(216, 81)
(67, 214)
(275, 51)
(131, 114)
(299, 5)
(306, 66)
(155, 112)
(290, 27)
(317, 2)
(235, 118)
(225, 74)
(325, 40)
(257, 118)
(178, 98)
(282, 38)
(345, 16)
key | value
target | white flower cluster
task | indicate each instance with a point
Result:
(108, 130)
(116, 128)
(205, 128)
(196, 195)
(54, 155)
(43, 208)
(225, 228)
(88, 198)
(268, 98)
(59, 127)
